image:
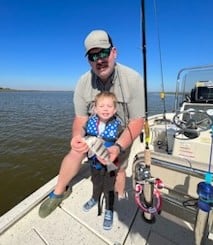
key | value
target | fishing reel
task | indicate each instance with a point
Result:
(142, 173)
(191, 122)
(147, 195)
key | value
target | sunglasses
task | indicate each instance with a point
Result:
(102, 54)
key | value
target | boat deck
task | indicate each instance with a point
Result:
(68, 224)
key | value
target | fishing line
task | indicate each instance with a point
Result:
(162, 94)
(211, 150)
(160, 57)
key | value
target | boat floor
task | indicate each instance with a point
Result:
(68, 224)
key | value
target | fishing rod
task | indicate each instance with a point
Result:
(147, 195)
(144, 60)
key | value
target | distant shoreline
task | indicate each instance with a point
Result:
(34, 90)
(31, 90)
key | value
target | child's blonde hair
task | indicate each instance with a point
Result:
(106, 94)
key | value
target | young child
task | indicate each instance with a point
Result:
(105, 125)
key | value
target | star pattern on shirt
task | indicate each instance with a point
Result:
(92, 126)
(110, 130)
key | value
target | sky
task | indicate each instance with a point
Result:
(41, 41)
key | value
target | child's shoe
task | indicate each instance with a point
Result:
(90, 204)
(108, 219)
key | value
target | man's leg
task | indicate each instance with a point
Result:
(120, 182)
(69, 168)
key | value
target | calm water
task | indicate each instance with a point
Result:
(34, 137)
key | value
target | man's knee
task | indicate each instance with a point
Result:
(76, 155)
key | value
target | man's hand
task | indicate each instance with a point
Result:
(103, 161)
(114, 151)
(78, 144)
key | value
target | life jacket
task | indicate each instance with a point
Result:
(109, 135)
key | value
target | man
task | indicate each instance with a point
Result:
(105, 75)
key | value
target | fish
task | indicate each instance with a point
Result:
(96, 146)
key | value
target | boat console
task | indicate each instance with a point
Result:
(202, 92)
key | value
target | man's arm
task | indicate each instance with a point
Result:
(78, 126)
(131, 132)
